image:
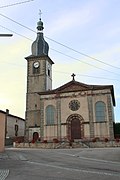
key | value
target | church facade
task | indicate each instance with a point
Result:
(72, 111)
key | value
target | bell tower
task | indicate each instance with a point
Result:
(39, 78)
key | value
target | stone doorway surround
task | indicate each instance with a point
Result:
(35, 136)
(75, 127)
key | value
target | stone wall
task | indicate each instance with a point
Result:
(79, 144)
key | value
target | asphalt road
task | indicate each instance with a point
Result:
(60, 164)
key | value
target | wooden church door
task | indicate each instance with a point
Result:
(75, 129)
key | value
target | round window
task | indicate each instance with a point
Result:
(74, 105)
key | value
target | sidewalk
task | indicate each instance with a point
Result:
(4, 155)
(8, 155)
(18, 164)
(4, 173)
(12, 155)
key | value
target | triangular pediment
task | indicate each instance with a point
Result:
(73, 86)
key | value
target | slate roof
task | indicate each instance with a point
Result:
(10, 115)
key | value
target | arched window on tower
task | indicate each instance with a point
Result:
(50, 115)
(49, 72)
(100, 111)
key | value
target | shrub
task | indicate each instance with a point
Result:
(55, 140)
(33, 141)
(117, 140)
(72, 140)
(106, 139)
(45, 141)
(94, 140)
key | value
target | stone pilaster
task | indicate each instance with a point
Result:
(58, 110)
(110, 116)
(91, 122)
(41, 119)
(26, 133)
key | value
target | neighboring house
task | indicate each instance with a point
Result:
(2, 132)
(72, 111)
(14, 125)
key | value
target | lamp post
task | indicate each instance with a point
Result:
(6, 35)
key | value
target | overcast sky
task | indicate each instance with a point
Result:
(75, 31)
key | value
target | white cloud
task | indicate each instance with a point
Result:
(79, 16)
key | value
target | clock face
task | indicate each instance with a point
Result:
(74, 105)
(36, 64)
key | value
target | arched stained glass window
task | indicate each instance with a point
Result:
(100, 111)
(50, 115)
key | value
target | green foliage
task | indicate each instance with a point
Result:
(117, 129)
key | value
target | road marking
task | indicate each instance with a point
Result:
(67, 154)
(91, 159)
(99, 160)
(4, 174)
(73, 169)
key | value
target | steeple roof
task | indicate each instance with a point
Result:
(40, 47)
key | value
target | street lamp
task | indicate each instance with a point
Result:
(6, 35)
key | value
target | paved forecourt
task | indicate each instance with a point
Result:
(67, 164)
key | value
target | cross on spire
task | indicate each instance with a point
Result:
(73, 75)
(40, 13)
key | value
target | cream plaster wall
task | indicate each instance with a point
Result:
(50, 132)
(86, 131)
(66, 111)
(65, 99)
(63, 132)
(100, 129)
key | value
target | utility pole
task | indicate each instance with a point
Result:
(4, 121)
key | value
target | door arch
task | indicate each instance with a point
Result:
(75, 128)
(35, 136)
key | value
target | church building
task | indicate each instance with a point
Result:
(73, 111)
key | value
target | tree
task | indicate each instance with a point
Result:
(117, 130)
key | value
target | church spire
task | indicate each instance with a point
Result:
(40, 47)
